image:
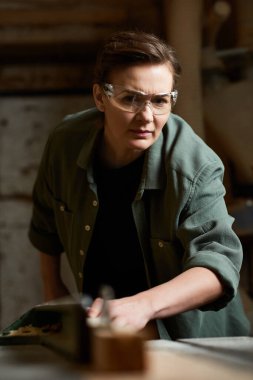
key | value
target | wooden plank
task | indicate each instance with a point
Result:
(165, 360)
(45, 78)
(71, 4)
(65, 16)
(232, 348)
(53, 35)
(192, 365)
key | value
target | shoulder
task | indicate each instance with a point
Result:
(186, 152)
(78, 123)
(74, 130)
(84, 115)
(76, 133)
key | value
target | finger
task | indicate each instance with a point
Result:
(96, 308)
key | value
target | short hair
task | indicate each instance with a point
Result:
(129, 48)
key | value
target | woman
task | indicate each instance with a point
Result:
(135, 199)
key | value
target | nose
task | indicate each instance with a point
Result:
(146, 112)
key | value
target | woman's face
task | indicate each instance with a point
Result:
(128, 134)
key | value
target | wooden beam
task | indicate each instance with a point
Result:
(58, 35)
(56, 17)
(187, 15)
(45, 78)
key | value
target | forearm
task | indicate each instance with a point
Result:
(190, 290)
(53, 286)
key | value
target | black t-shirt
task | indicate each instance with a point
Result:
(114, 257)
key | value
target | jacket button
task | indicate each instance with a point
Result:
(81, 252)
(80, 275)
(94, 203)
(87, 227)
(62, 208)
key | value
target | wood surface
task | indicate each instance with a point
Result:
(165, 361)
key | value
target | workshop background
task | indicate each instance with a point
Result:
(47, 53)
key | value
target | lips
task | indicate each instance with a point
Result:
(140, 132)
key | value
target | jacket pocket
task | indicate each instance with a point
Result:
(168, 259)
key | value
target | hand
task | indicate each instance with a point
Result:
(130, 312)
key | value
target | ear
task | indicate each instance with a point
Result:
(98, 96)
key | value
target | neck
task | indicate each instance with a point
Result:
(113, 159)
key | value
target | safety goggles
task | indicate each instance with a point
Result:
(133, 101)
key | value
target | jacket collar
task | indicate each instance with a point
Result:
(153, 175)
(154, 165)
(87, 150)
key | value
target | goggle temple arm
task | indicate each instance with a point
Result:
(108, 89)
(174, 95)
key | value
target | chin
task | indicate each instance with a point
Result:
(140, 146)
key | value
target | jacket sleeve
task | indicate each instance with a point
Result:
(43, 230)
(206, 232)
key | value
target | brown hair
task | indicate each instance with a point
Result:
(129, 48)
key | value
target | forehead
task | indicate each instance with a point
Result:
(149, 78)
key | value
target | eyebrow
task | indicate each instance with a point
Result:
(136, 92)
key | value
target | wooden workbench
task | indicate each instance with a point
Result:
(193, 359)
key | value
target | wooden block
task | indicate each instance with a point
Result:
(114, 351)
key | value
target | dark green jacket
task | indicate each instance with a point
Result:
(179, 212)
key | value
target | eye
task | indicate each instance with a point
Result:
(160, 101)
(131, 99)
(127, 99)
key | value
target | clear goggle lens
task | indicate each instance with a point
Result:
(133, 101)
